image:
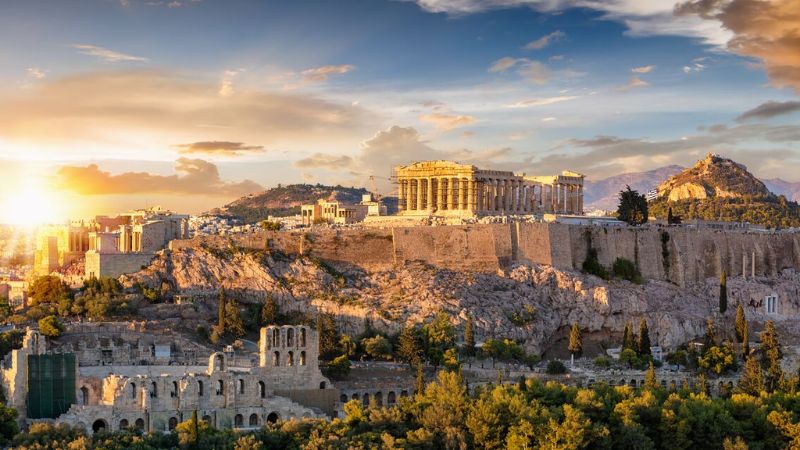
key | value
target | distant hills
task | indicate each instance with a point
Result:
(604, 194)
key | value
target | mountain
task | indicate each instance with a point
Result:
(604, 194)
(786, 188)
(713, 176)
(286, 200)
(718, 188)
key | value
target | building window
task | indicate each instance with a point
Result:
(303, 358)
(253, 422)
(289, 337)
(241, 386)
(133, 390)
(200, 388)
(238, 421)
(276, 338)
(174, 392)
(123, 424)
(302, 337)
(276, 359)
(262, 389)
(220, 387)
(153, 390)
(771, 304)
(290, 359)
(173, 422)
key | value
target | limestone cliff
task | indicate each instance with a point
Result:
(531, 303)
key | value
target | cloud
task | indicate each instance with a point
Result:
(192, 177)
(35, 73)
(319, 74)
(530, 70)
(633, 83)
(643, 69)
(536, 72)
(542, 101)
(120, 108)
(769, 110)
(322, 160)
(226, 83)
(218, 148)
(544, 41)
(767, 30)
(503, 64)
(447, 122)
(106, 54)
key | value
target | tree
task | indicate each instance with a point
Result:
(752, 380)
(710, 338)
(575, 346)
(628, 338)
(440, 334)
(573, 432)
(221, 310)
(451, 362)
(248, 442)
(741, 323)
(8, 424)
(48, 289)
(377, 347)
(233, 320)
(556, 367)
(469, 337)
(644, 338)
(650, 381)
(419, 381)
(632, 207)
(50, 326)
(771, 355)
(269, 312)
(745, 341)
(328, 335)
(339, 368)
(409, 349)
(723, 293)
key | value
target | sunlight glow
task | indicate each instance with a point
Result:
(29, 204)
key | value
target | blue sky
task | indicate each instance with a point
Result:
(103, 99)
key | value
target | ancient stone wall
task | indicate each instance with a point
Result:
(676, 254)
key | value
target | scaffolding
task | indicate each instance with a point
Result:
(51, 385)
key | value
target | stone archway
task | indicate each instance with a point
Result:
(173, 422)
(273, 417)
(253, 420)
(123, 424)
(139, 424)
(99, 426)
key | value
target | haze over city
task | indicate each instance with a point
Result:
(108, 105)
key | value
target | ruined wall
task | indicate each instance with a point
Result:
(677, 254)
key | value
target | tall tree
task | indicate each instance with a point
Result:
(632, 207)
(710, 338)
(575, 346)
(650, 380)
(628, 339)
(752, 380)
(723, 292)
(644, 338)
(409, 348)
(419, 383)
(234, 325)
(741, 323)
(469, 336)
(269, 312)
(771, 355)
(221, 310)
(327, 334)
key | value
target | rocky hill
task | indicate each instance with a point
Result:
(604, 194)
(718, 188)
(286, 200)
(713, 176)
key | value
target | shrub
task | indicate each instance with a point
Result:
(602, 361)
(339, 368)
(377, 347)
(50, 326)
(592, 265)
(556, 367)
(626, 269)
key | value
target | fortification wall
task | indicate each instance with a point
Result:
(676, 254)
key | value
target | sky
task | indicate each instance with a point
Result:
(108, 105)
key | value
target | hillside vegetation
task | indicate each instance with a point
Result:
(717, 188)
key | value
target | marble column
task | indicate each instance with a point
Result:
(506, 196)
(441, 194)
(429, 196)
(490, 195)
(419, 194)
(450, 199)
(471, 203)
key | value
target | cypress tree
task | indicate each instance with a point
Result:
(409, 348)
(670, 218)
(650, 381)
(195, 438)
(575, 346)
(420, 381)
(752, 380)
(710, 338)
(741, 323)
(221, 310)
(628, 340)
(469, 336)
(644, 338)
(269, 312)
(771, 356)
(723, 293)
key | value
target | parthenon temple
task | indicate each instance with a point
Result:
(449, 188)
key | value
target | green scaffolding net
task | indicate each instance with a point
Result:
(51, 385)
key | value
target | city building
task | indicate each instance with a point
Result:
(451, 189)
(114, 378)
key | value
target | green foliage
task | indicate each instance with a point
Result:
(524, 317)
(718, 359)
(48, 289)
(665, 252)
(628, 356)
(626, 270)
(221, 310)
(270, 225)
(50, 326)
(632, 207)
(677, 357)
(644, 338)
(10, 340)
(602, 361)
(650, 380)
(740, 324)
(8, 424)
(439, 335)
(591, 264)
(768, 211)
(328, 335)
(771, 356)
(575, 345)
(269, 311)
(377, 347)
(556, 367)
(752, 380)
(338, 368)
(629, 339)
(410, 346)
(234, 326)
(504, 350)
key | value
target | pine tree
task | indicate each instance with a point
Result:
(628, 340)
(723, 293)
(269, 312)
(409, 348)
(771, 356)
(741, 323)
(632, 207)
(469, 336)
(233, 320)
(752, 379)
(670, 217)
(650, 381)
(420, 381)
(644, 338)
(575, 346)
(221, 310)
(195, 431)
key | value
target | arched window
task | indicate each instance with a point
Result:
(219, 361)
(302, 337)
(253, 422)
(200, 388)
(322, 385)
(303, 358)
(84, 396)
(390, 398)
(262, 389)
(276, 359)
(241, 386)
(123, 424)
(276, 337)
(290, 359)
(220, 387)
(379, 398)
(273, 417)
(153, 390)
(174, 392)
(238, 421)
(139, 424)
(365, 399)
(173, 422)
(133, 390)
(290, 337)
(207, 419)
(355, 396)
(343, 398)
(99, 426)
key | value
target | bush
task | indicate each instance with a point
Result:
(592, 265)
(50, 326)
(377, 347)
(556, 367)
(602, 361)
(626, 269)
(339, 368)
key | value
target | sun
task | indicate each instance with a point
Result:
(29, 204)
